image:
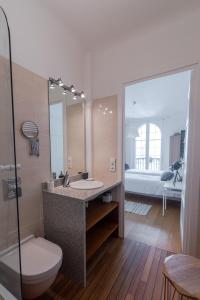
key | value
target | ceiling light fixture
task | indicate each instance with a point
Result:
(60, 82)
(72, 89)
(82, 95)
(52, 85)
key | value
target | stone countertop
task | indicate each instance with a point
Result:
(83, 195)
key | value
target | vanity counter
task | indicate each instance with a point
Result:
(83, 195)
(79, 222)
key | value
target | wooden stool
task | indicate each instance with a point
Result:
(182, 273)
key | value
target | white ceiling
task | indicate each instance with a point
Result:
(96, 22)
(161, 97)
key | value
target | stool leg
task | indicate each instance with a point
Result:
(174, 294)
(165, 288)
(163, 205)
(168, 290)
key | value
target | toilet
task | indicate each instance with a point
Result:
(40, 261)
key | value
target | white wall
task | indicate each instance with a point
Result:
(168, 127)
(155, 51)
(41, 44)
(165, 48)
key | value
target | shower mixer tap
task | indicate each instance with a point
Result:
(9, 167)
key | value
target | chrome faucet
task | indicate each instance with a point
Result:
(66, 180)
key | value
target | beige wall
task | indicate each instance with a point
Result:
(104, 137)
(31, 103)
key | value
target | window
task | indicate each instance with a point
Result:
(148, 147)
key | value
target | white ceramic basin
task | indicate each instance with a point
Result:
(86, 184)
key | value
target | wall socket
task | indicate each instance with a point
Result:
(112, 164)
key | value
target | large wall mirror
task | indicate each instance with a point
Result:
(67, 131)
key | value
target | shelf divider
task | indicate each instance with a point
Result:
(98, 236)
(97, 212)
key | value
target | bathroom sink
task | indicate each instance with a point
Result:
(86, 184)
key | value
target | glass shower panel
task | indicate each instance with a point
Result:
(10, 278)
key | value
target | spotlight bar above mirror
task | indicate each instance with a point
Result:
(71, 88)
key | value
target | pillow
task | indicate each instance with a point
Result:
(127, 166)
(166, 176)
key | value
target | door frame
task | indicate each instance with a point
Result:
(190, 206)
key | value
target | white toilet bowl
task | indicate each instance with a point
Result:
(40, 261)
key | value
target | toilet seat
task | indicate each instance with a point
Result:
(39, 259)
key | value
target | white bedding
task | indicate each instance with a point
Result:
(147, 172)
(146, 184)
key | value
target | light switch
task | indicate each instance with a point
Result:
(112, 164)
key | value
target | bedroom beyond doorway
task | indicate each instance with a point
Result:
(156, 116)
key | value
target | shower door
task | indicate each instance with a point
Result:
(10, 278)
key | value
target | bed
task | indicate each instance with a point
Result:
(144, 182)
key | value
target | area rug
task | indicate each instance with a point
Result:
(137, 208)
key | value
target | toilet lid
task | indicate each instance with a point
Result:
(38, 256)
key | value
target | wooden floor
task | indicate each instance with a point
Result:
(154, 229)
(125, 270)
(129, 269)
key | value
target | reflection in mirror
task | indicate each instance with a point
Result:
(67, 131)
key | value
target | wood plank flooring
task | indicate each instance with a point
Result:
(154, 229)
(129, 269)
(125, 269)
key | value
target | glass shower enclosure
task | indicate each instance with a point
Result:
(10, 275)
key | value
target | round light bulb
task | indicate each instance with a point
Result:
(72, 89)
(82, 95)
(60, 82)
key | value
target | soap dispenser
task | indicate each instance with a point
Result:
(61, 175)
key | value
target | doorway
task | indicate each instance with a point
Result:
(155, 156)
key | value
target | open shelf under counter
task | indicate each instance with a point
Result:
(97, 211)
(97, 237)
(80, 224)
